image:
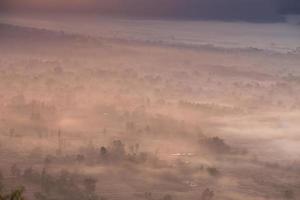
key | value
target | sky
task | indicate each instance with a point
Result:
(242, 10)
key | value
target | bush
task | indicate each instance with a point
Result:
(14, 195)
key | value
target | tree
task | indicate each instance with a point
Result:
(213, 171)
(90, 188)
(103, 151)
(288, 194)
(148, 195)
(1, 180)
(215, 145)
(15, 171)
(118, 149)
(80, 158)
(167, 197)
(90, 185)
(207, 194)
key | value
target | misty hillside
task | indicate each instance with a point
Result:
(91, 118)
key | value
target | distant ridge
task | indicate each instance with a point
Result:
(11, 31)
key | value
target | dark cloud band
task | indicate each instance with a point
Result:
(243, 10)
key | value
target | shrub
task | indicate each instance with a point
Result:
(14, 195)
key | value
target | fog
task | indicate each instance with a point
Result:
(279, 37)
(96, 108)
